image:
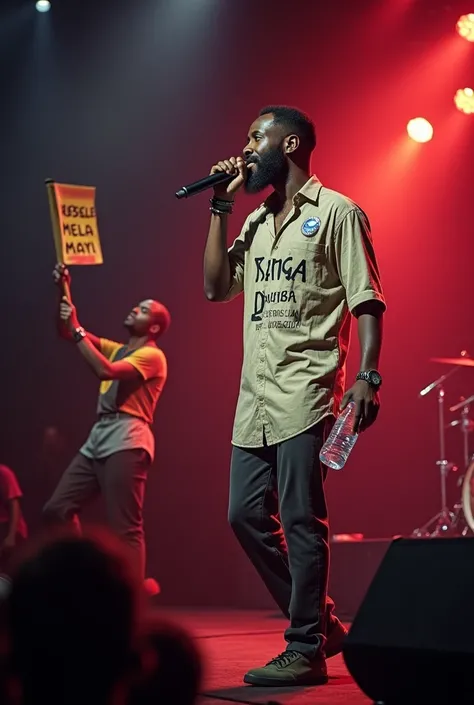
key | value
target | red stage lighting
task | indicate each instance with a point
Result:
(420, 130)
(464, 100)
(465, 27)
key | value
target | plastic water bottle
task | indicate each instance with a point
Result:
(340, 441)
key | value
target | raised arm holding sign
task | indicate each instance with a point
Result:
(66, 322)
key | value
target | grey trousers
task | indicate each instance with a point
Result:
(277, 509)
(121, 478)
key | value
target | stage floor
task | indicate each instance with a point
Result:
(234, 641)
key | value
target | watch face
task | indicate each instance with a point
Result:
(375, 378)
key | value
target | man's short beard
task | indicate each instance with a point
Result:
(270, 169)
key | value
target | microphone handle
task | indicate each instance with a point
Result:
(203, 184)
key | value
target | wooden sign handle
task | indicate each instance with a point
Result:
(66, 289)
(53, 207)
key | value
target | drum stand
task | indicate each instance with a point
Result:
(443, 523)
(460, 525)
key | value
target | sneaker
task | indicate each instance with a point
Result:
(335, 637)
(289, 668)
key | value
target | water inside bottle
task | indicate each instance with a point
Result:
(341, 440)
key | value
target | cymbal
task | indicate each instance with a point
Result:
(461, 361)
(458, 422)
(461, 404)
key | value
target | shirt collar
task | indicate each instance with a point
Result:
(308, 192)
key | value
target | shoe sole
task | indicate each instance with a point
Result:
(274, 683)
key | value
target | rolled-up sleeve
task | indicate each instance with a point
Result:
(356, 260)
(237, 266)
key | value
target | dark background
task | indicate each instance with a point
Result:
(140, 97)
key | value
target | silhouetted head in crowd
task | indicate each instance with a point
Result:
(172, 667)
(72, 618)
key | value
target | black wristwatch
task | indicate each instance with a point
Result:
(372, 377)
(79, 334)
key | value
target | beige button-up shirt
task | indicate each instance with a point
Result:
(300, 285)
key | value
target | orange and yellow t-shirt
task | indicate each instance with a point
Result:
(136, 397)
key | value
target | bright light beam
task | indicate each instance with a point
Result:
(420, 130)
(43, 5)
(464, 100)
(465, 27)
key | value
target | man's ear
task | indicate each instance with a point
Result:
(292, 142)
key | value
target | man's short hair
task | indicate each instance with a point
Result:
(161, 316)
(295, 122)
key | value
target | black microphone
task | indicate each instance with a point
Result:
(203, 184)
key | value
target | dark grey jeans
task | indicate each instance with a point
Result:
(277, 509)
(121, 478)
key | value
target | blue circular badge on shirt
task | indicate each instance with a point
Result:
(310, 227)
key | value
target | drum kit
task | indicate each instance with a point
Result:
(458, 521)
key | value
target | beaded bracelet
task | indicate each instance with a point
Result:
(221, 207)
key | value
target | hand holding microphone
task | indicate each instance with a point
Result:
(220, 178)
(236, 167)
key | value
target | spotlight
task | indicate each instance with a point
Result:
(465, 27)
(420, 130)
(464, 100)
(43, 5)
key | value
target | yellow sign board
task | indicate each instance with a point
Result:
(74, 219)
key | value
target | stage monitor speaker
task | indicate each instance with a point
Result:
(412, 640)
